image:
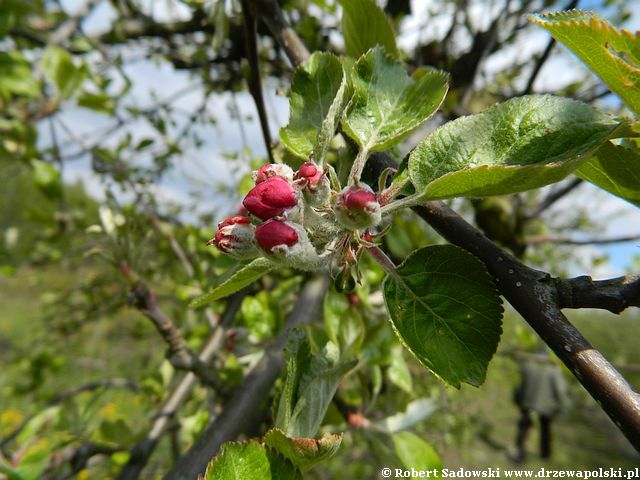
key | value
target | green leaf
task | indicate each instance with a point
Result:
(243, 277)
(518, 145)
(16, 76)
(614, 55)
(58, 65)
(297, 354)
(365, 25)
(416, 411)
(47, 178)
(313, 90)
(399, 373)
(344, 324)
(387, 103)
(330, 122)
(303, 453)
(97, 102)
(310, 384)
(446, 311)
(317, 387)
(250, 461)
(262, 315)
(615, 169)
(415, 452)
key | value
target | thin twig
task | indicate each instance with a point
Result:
(587, 241)
(555, 195)
(178, 353)
(545, 56)
(253, 81)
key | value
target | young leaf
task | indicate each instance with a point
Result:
(387, 103)
(398, 372)
(616, 169)
(59, 67)
(316, 390)
(303, 453)
(47, 178)
(614, 55)
(330, 122)
(297, 354)
(446, 311)
(415, 452)
(313, 90)
(310, 384)
(521, 144)
(249, 460)
(239, 280)
(365, 25)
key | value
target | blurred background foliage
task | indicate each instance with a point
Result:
(126, 133)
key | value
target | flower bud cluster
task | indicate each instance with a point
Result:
(297, 220)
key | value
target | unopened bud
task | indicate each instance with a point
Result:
(235, 237)
(314, 182)
(270, 198)
(287, 243)
(358, 208)
(273, 170)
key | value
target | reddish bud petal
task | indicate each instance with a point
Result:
(235, 237)
(273, 170)
(275, 233)
(358, 207)
(270, 198)
(310, 172)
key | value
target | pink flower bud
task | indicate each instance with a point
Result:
(314, 183)
(287, 243)
(275, 233)
(270, 198)
(235, 237)
(358, 208)
(310, 174)
(273, 170)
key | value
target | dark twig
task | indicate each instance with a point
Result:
(243, 409)
(253, 81)
(615, 294)
(178, 353)
(545, 56)
(534, 295)
(588, 241)
(271, 14)
(555, 195)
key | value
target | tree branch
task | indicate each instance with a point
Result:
(534, 295)
(244, 409)
(142, 450)
(179, 354)
(555, 195)
(615, 294)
